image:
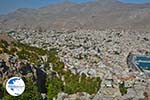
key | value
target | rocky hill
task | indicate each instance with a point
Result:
(44, 74)
(98, 14)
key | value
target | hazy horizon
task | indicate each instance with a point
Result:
(7, 6)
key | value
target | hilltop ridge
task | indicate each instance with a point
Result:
(99, 14)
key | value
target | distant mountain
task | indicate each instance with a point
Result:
(98, 14)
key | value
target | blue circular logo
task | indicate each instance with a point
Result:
(15, 86)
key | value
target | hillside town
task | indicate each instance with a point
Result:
(98, 53)
(74, 49)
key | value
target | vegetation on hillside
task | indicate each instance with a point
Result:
(70, 84)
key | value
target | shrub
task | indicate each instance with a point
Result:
(123, 89)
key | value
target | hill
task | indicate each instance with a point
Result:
(99, 14)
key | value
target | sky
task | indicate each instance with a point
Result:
(136, 1)
(7, 6)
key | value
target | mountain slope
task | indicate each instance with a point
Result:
(91, 15)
